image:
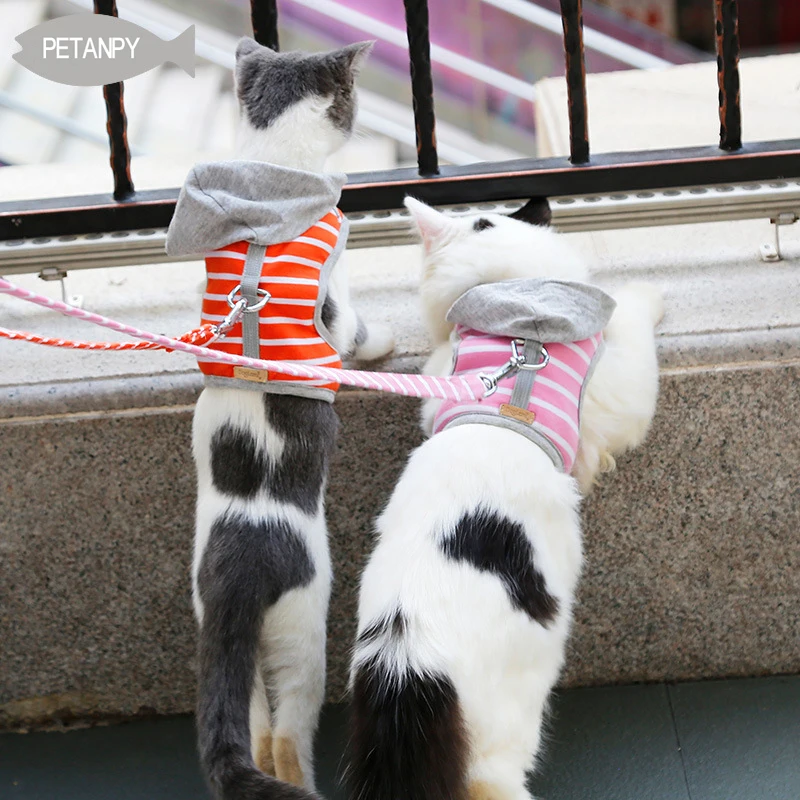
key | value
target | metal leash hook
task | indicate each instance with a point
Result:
(234, 315)
(514, 364)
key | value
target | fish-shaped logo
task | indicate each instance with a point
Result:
(96, 49)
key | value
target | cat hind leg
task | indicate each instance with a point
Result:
(261, 726)
(295, 632)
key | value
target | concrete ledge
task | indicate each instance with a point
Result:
(691, 572)
(691, 547)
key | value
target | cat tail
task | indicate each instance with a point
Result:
(408, 740)
(229, 641)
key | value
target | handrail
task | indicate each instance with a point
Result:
(378, 192)
(592, 39)
(778, 200)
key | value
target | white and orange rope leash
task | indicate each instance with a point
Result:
(459, 387)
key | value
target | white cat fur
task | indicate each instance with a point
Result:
(459, 621)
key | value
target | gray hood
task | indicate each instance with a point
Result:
(248, 201)
(534, 308)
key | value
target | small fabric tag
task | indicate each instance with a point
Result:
(517, 413)
(250, 374)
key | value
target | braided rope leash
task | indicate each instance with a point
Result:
(457, 387)
(198, 336)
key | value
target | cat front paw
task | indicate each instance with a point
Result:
(379, 343)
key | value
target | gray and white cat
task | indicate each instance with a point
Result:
(466, 601)
(261, 571)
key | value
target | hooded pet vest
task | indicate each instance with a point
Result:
(557, 327)
(274, 235)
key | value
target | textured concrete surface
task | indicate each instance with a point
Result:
(692, 559)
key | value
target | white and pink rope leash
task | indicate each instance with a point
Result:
(460, 387)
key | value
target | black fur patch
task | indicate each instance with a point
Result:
(481, 224)
(407, 737)
(394, 623)
(495, 544)
(308, 428)
(329, 311)
(237, 466)
(535, 212)
(361, 333)
(245, 569)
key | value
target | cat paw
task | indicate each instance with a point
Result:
(379, 343)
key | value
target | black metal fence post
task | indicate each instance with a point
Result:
(730, 112)
(116, 123)
(419, 51)
(264, 14)
(572, 20)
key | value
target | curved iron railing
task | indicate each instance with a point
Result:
(732, 162)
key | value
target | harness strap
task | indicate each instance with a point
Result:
(251, 276)
(523, 384)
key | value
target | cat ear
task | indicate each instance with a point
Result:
(535, 212)
(245, 47)
(433, 226)
(249, 45)
(354, 55)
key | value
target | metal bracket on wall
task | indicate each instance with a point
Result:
(772, 252)
(59, 274)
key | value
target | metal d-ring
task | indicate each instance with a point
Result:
(519, 358)
(263, 293)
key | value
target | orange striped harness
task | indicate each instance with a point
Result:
(284, 286)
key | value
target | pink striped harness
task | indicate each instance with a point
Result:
(534, 344)
(550, 415)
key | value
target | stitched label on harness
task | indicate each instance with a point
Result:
(520, 414)
(250, 374)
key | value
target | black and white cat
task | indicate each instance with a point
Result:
(261, 571)
(466, 602)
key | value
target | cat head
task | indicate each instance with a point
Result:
(296, 108)
(462, 252)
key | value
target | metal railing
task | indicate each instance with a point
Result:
(731, 181)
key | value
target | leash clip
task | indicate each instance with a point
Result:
(514, 364)
(237, 309)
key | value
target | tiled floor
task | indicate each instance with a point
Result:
(719, 740)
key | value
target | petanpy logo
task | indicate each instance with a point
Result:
(96, 49)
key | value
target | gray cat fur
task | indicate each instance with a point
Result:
(268, 82)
